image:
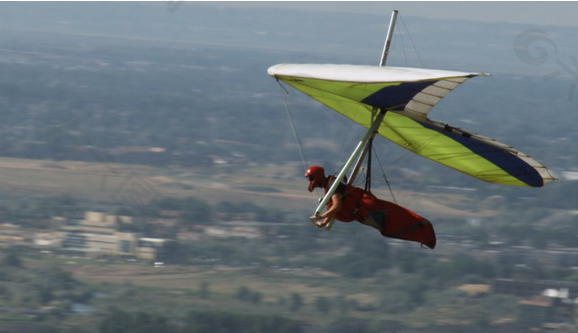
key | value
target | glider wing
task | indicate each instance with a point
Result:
(408, 94)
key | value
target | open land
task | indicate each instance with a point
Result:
(109, 182)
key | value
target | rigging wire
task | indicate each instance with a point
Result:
(385, 177)
(304, 160)
(412, 41)
(399, 34)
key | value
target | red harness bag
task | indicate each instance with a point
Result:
(396, 221)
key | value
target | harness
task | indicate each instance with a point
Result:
(351, 200)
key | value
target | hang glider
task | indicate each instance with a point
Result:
(407, 95)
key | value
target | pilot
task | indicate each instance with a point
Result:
(350, 203)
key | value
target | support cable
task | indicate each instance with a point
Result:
(411, 39)
(386, 180)
(304, 160)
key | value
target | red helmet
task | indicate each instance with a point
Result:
(316, 176)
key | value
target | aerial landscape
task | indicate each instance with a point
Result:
(151, 174)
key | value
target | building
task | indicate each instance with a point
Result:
(99, 234)
(529, 288)
(545, 304)
(552, 309)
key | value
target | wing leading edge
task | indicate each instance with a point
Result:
(409, 94)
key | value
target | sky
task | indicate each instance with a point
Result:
(561, 13)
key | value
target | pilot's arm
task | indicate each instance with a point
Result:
(329, 214)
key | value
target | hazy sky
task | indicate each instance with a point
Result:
(561, 13)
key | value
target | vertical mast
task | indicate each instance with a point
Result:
(388, 38)
(384, 54)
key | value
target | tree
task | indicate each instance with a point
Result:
(118, 321)
(296, 302)
(195, 211)
(12, 259)
(247, 295)
(349, 325)
(204, 291)
(226, 208)
(219, 322)
(323, 304)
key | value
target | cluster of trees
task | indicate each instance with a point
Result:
(47, 293)
(194, 211)
(400, 292)
(370, 253)
(480, 312)
(36, 211)
(118, 321)
(295, 302)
